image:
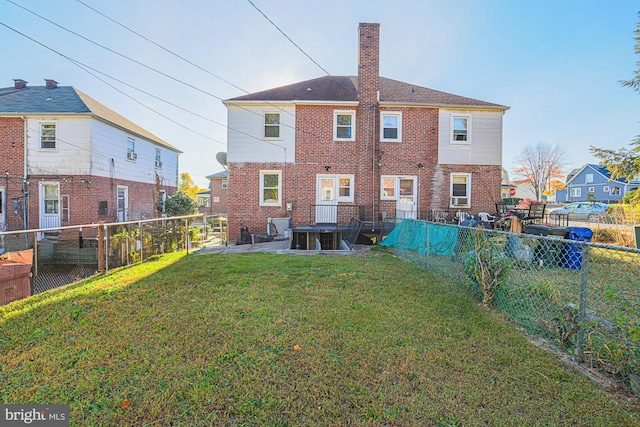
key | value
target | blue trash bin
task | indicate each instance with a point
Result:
(573, 253)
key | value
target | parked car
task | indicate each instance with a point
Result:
(583, 211)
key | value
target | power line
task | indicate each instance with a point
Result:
(136, 62)
(160, 46)
(181, 57)
(288, 38)
(85, 68)
(116, 52)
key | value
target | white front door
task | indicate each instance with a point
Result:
(122, 204)
(406, 204)
(327, 203)
(49, 204)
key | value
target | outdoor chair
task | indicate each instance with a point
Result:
(535, 215)
(502, 215)
(488, 219)
(439, 216)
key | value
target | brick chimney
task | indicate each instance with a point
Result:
(19, 84)
(50, 84)
(368, 63)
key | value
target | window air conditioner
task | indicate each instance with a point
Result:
(131, 155)
(459, 201)
(158, 164)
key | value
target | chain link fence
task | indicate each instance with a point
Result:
(580, 297)
(35, 261)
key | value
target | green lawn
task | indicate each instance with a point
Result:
(278, 340)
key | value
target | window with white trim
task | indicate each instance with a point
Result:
(270, 188)
(388, 188)
(615, 191)
(460, 188)
(588, 178)
(131, 149)
(592, 189)
(272, 125)
(345, 188)
(344, 125)
(395, 187)
(605, 188)
(576, 192)
(225, 184)
(48, 136)
(51, 198)
(158, 158)
(460, 129)
(391, 126)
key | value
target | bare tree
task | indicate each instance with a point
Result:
(539, 164)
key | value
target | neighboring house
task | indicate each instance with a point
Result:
(359, 146)
(524, 190)
(68, 160)
(218, 184)
(593, 183)
(203, 199)
(506, 185)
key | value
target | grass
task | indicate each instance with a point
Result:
(267, 339)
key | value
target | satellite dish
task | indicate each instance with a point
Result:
(221, 157)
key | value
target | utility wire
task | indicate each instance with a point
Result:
(86, 68)
(140, 63)
(160, 46)
(287, 37)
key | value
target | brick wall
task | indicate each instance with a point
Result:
(85, 198)
(11, 166)
(218, 191)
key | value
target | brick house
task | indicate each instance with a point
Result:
(335, 147)
(66, 159)
(218, 184)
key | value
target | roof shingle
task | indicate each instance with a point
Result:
(344, 89)
(66, 100)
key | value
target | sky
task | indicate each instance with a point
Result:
(556, 64)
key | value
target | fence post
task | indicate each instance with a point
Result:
(582, 308)
(186, 234)
(141, 242)
(35, 256)
(427, 246)
(101, 260)
(106, 248)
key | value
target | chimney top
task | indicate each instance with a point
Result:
(51, 84)
(368, 63)
(19, 83)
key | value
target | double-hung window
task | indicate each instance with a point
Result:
(272, 125)
(344, 125)
(576, 192)
(48, 136)
(131, 149)
(158, 158)
(270, 188)
(391, 126)
(460, 129)
(460, 190)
